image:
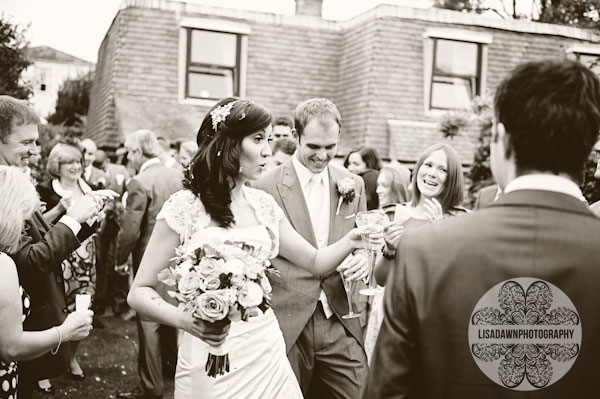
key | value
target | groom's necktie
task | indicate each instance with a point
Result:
(315, 205)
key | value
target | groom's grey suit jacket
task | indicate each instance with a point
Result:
(296, 292)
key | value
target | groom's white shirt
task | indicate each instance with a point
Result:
(322, 229)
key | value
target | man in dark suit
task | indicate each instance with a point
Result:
(111, 285)
(476, 306)
(147, 192)
(43, 247)
(325, 350)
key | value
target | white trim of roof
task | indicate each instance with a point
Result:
(458, 34)
(181, 7)
(595, 50)
(461, 18)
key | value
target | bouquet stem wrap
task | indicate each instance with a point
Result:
(217, 362)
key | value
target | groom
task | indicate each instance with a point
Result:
(325, 351)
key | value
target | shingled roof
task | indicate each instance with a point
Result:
(51, 54)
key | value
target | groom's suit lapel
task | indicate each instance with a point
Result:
(294, 204)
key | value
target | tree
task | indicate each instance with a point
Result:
(73, 101)
(13, 59)
(581, 13)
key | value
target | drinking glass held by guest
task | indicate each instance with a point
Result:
(18, 200)
(366, 163)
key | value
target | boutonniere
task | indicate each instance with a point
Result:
(347, 190)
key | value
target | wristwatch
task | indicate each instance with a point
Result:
(387, 253)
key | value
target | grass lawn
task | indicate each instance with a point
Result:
(109, 358)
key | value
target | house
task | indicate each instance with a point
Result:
(49, 69)
(392, 70)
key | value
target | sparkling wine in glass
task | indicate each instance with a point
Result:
(370, 222)
(348, 288)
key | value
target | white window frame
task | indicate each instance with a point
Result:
(185, 24)
(429, 37)
(574, 52)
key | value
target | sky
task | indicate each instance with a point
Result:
(77, 27)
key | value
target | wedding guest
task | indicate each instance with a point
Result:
(42, 247)
(438, 186)
(283, 149)
(366, 163)
(93, 176)
(534, 252)
(595, 207)
(66, 187)
(18, 201)
(147, 192)
(111, 286)
(325, 350)
(165, 152)
(282, 129)
(487, 196)
(187, 149)
(392, 189)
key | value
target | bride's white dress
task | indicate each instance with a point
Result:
(258, 361)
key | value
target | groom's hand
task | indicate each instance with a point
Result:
(213, 334)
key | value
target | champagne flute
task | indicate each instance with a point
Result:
(348, 288)
(370, 222)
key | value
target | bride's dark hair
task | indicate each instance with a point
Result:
(213, 169)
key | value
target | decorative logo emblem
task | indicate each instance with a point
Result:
(525, 334)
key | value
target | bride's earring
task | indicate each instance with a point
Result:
(241, 169)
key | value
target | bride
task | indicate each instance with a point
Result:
(234, 147)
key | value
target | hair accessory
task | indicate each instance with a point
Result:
(219, 114)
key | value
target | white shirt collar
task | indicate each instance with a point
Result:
(62, 192)
(148, 163)
(304, 174)
(545, 182)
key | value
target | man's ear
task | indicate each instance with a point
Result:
(504, 136)
(296, 135)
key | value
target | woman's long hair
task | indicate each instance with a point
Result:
(18, 200)
(213, 169)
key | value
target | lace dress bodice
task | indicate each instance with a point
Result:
(185, 214)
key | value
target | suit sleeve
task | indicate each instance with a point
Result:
(137, 204)
(395, 370)
(35, 259)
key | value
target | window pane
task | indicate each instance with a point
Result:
(213, 48)
(205, 85)
(456, 58)
(589, 59)
(451, 93)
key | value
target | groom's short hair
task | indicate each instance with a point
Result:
(551, 111)
(315, 108)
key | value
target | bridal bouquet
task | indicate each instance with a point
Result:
(216, 280)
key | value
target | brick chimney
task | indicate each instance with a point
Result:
(314, 8)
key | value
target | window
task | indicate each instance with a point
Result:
(212, 64)
(456, 74)
(212, 60)
(587, 55)
(41, 78)
(455, 63)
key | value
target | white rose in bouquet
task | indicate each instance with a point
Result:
(210, 283)
(210, 267)
(265, 284)
(189, 283)
(213, 305)
(251, 295)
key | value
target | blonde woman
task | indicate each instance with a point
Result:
(18, 201)
(65, 166)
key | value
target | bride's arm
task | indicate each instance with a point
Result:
(297, 250)
(144, 299)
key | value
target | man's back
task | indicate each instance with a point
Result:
(448, 267)
(147, 192)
